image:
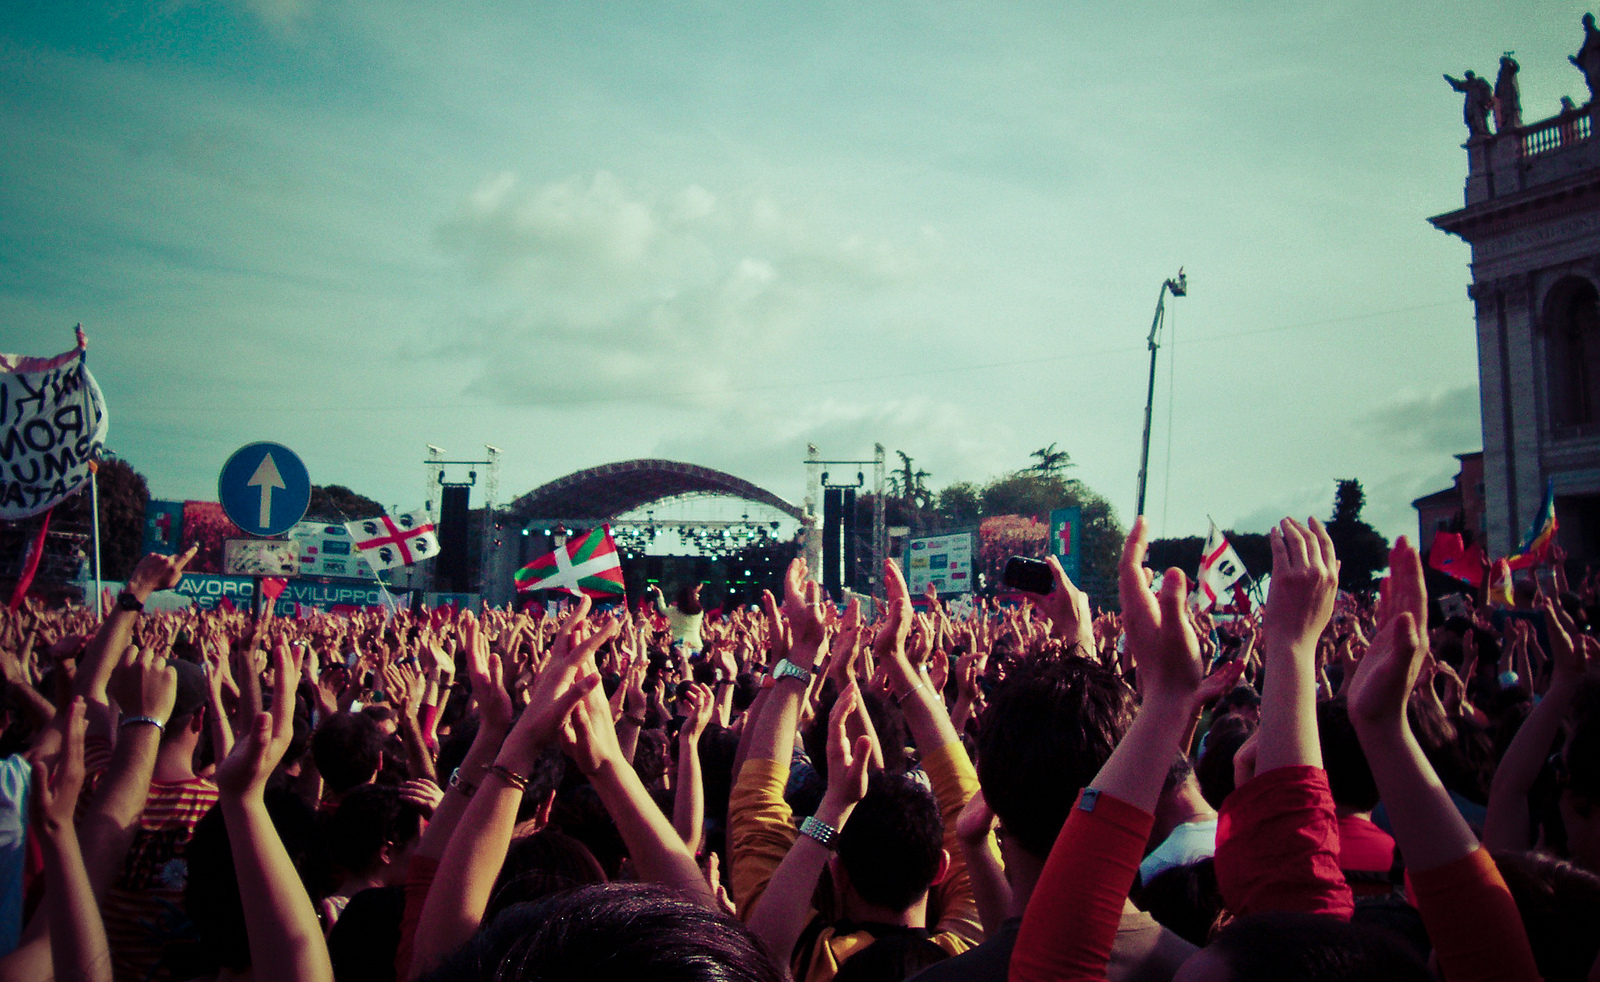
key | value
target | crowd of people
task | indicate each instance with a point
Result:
(1327, 788)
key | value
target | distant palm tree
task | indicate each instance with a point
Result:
(1051, 461)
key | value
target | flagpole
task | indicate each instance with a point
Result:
(94, 465)
(1179, 287)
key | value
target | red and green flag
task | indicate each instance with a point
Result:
(588, 566)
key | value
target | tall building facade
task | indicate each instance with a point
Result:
(1532, 217)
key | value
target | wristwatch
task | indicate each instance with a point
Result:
(127, 601)
(786, 669)
(825, 834)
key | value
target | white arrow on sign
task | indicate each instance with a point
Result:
(266, 477)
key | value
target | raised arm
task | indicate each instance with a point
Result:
(286, 940)
(1071, 921)
(689, 801)
(1470, 916)
(1507, 825)
(779, 917)
(1305, 581)
(658, 853)
(78, 946)
(472, 859)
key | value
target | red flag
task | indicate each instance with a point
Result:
(1451, 556)
(30, 565)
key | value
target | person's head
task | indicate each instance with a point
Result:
(688, 598)
(348, 750)
(1305, 947)
(187, 720)
(211, 885)
(1185, 900)
(1049, 726)
(538, 865)
(892, 849)
(1349, 777)
(1560, 905)
(611, 932)
(384, 716)
(372, 832)
(1215, 769)
(1578, 773)
(1243, 701)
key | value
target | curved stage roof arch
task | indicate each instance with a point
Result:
(612, 489)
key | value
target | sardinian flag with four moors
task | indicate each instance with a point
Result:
(399, 541)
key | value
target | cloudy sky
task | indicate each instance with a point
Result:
(715, 231)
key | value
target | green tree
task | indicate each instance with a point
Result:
(123, 497)
(1362, 550)
(960, 504)
(1051, 461)
(337, 503)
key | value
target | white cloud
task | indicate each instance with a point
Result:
(592, 290)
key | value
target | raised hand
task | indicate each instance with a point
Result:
(487, 674)
(701, 706)
(423, 794)
(145, 685)
(1305, 582)
(58, 777)
(243, 775)
(1068, 609)
(1385, 677)
(156, 572)
(1160, 634)
(847, 759)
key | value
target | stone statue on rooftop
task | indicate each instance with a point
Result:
(1588, 57)
(1479, 102)
(1507, 99)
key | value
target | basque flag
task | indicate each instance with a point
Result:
(588, 566)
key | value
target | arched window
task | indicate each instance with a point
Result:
(1572, 355)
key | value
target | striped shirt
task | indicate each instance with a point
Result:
(144, 907)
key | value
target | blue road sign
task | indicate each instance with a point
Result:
(264, 488)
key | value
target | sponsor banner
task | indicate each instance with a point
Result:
(326, 549)
(261, 557)
(945, 561)
(1066, 534)
(206, 591)
(460, 601)
(163, 527)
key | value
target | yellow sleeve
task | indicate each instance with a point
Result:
(954, 783)
(760, 829)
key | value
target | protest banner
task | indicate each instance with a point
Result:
(52, 425)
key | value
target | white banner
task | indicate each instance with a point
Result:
(52, 424)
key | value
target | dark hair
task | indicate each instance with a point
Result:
(891, 959)
(1559, 904)
(537, 865)
(892, 845)
(1215, 769)
(1349, 777)
(1185, 899)
(211, 890)
(365, 938)
(1278, 945)
(687, 602)
(1179, 771)
(369, 817)
(611, 932)
(348, 749)
(1048, 728)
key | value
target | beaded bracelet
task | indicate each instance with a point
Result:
(158, 724)
(901, 699)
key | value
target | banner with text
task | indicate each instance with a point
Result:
(206, 591)
(945, 561)
(52, 424)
